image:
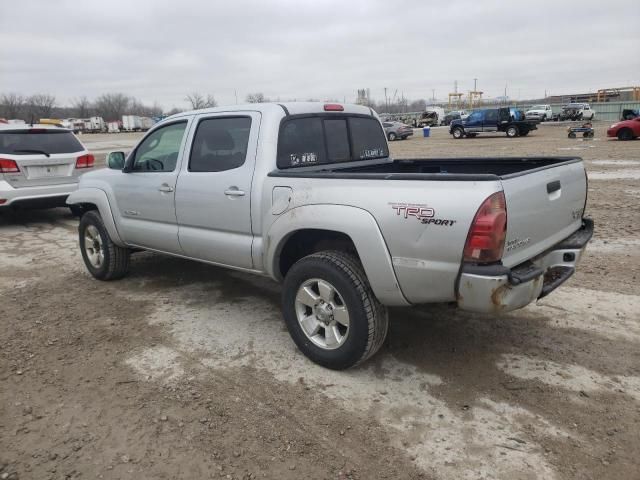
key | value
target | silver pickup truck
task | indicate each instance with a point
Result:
(307, 194)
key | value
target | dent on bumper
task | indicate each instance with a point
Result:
(479, 293)
(508, 290)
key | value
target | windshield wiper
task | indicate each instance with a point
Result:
(32, 150)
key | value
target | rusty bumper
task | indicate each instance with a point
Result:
(498, 289)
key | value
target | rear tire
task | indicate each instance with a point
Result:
(625, 134)
(104, 259)
(512, 131)
(313, 291)
(458, 133)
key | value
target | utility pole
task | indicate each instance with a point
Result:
(433, 94)
(235, 92)
(386, 102)
(475, 84)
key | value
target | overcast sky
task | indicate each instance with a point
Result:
(160, 50)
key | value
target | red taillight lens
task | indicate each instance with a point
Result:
(85, 161)
(8, 166)
(333, 107)
(485, 242)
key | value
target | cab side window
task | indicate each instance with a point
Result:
(159, 151)
(220, 144)
(491, 116)
(475, 117)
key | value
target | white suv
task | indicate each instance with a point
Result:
(40, 165)
(539, 112)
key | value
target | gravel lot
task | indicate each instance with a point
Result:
(183, 370)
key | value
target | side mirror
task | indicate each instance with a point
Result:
(115, 160)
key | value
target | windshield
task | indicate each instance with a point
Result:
(539, 107)
(36, 141)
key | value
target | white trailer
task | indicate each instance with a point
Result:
(96, 125)
(131, 123)
(113, 127)
(146, 123)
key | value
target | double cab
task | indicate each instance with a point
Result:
(307, 194)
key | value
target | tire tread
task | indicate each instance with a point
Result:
(118, 264)
(376, 313)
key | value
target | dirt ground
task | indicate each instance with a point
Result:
(183, 370)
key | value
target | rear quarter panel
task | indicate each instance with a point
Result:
(424, 223)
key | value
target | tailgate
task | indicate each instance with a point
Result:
(543, 207)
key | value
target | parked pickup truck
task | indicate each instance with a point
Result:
(540, 112)
(307, 194)
(492, 120)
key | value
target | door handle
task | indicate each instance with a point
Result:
(164, 188)
(234, 192)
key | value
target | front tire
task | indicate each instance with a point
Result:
(625, 134)
(512, 131)
(104, 259)
(331, 312)
(458, 133)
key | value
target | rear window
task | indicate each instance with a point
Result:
(28, 142)
(322, 139)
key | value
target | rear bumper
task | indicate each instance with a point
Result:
(498, 289)
(47, 195)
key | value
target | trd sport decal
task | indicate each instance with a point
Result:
(413, 210)
(422, 212)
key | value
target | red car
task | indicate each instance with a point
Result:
(625, 130)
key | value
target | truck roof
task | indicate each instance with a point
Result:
(292, 108)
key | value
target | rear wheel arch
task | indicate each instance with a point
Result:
(308, 241)
(330, 227)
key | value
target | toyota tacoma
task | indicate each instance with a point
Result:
(307, 194)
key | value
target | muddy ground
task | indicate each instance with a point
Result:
(183, 370)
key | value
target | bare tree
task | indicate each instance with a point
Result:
(418, 106)
(198, 101)
(81, 107)
(257, 97)
(12, 105)
(136, 107)
(111, 106)
(174, 110)
(40, 105)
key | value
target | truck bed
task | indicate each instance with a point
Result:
(472, 169)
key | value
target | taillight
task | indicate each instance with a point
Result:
(485, 242)
(85, 161)
(333, 107)
(8, 166)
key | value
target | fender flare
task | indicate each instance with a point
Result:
(99, 198)
(355, 222)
